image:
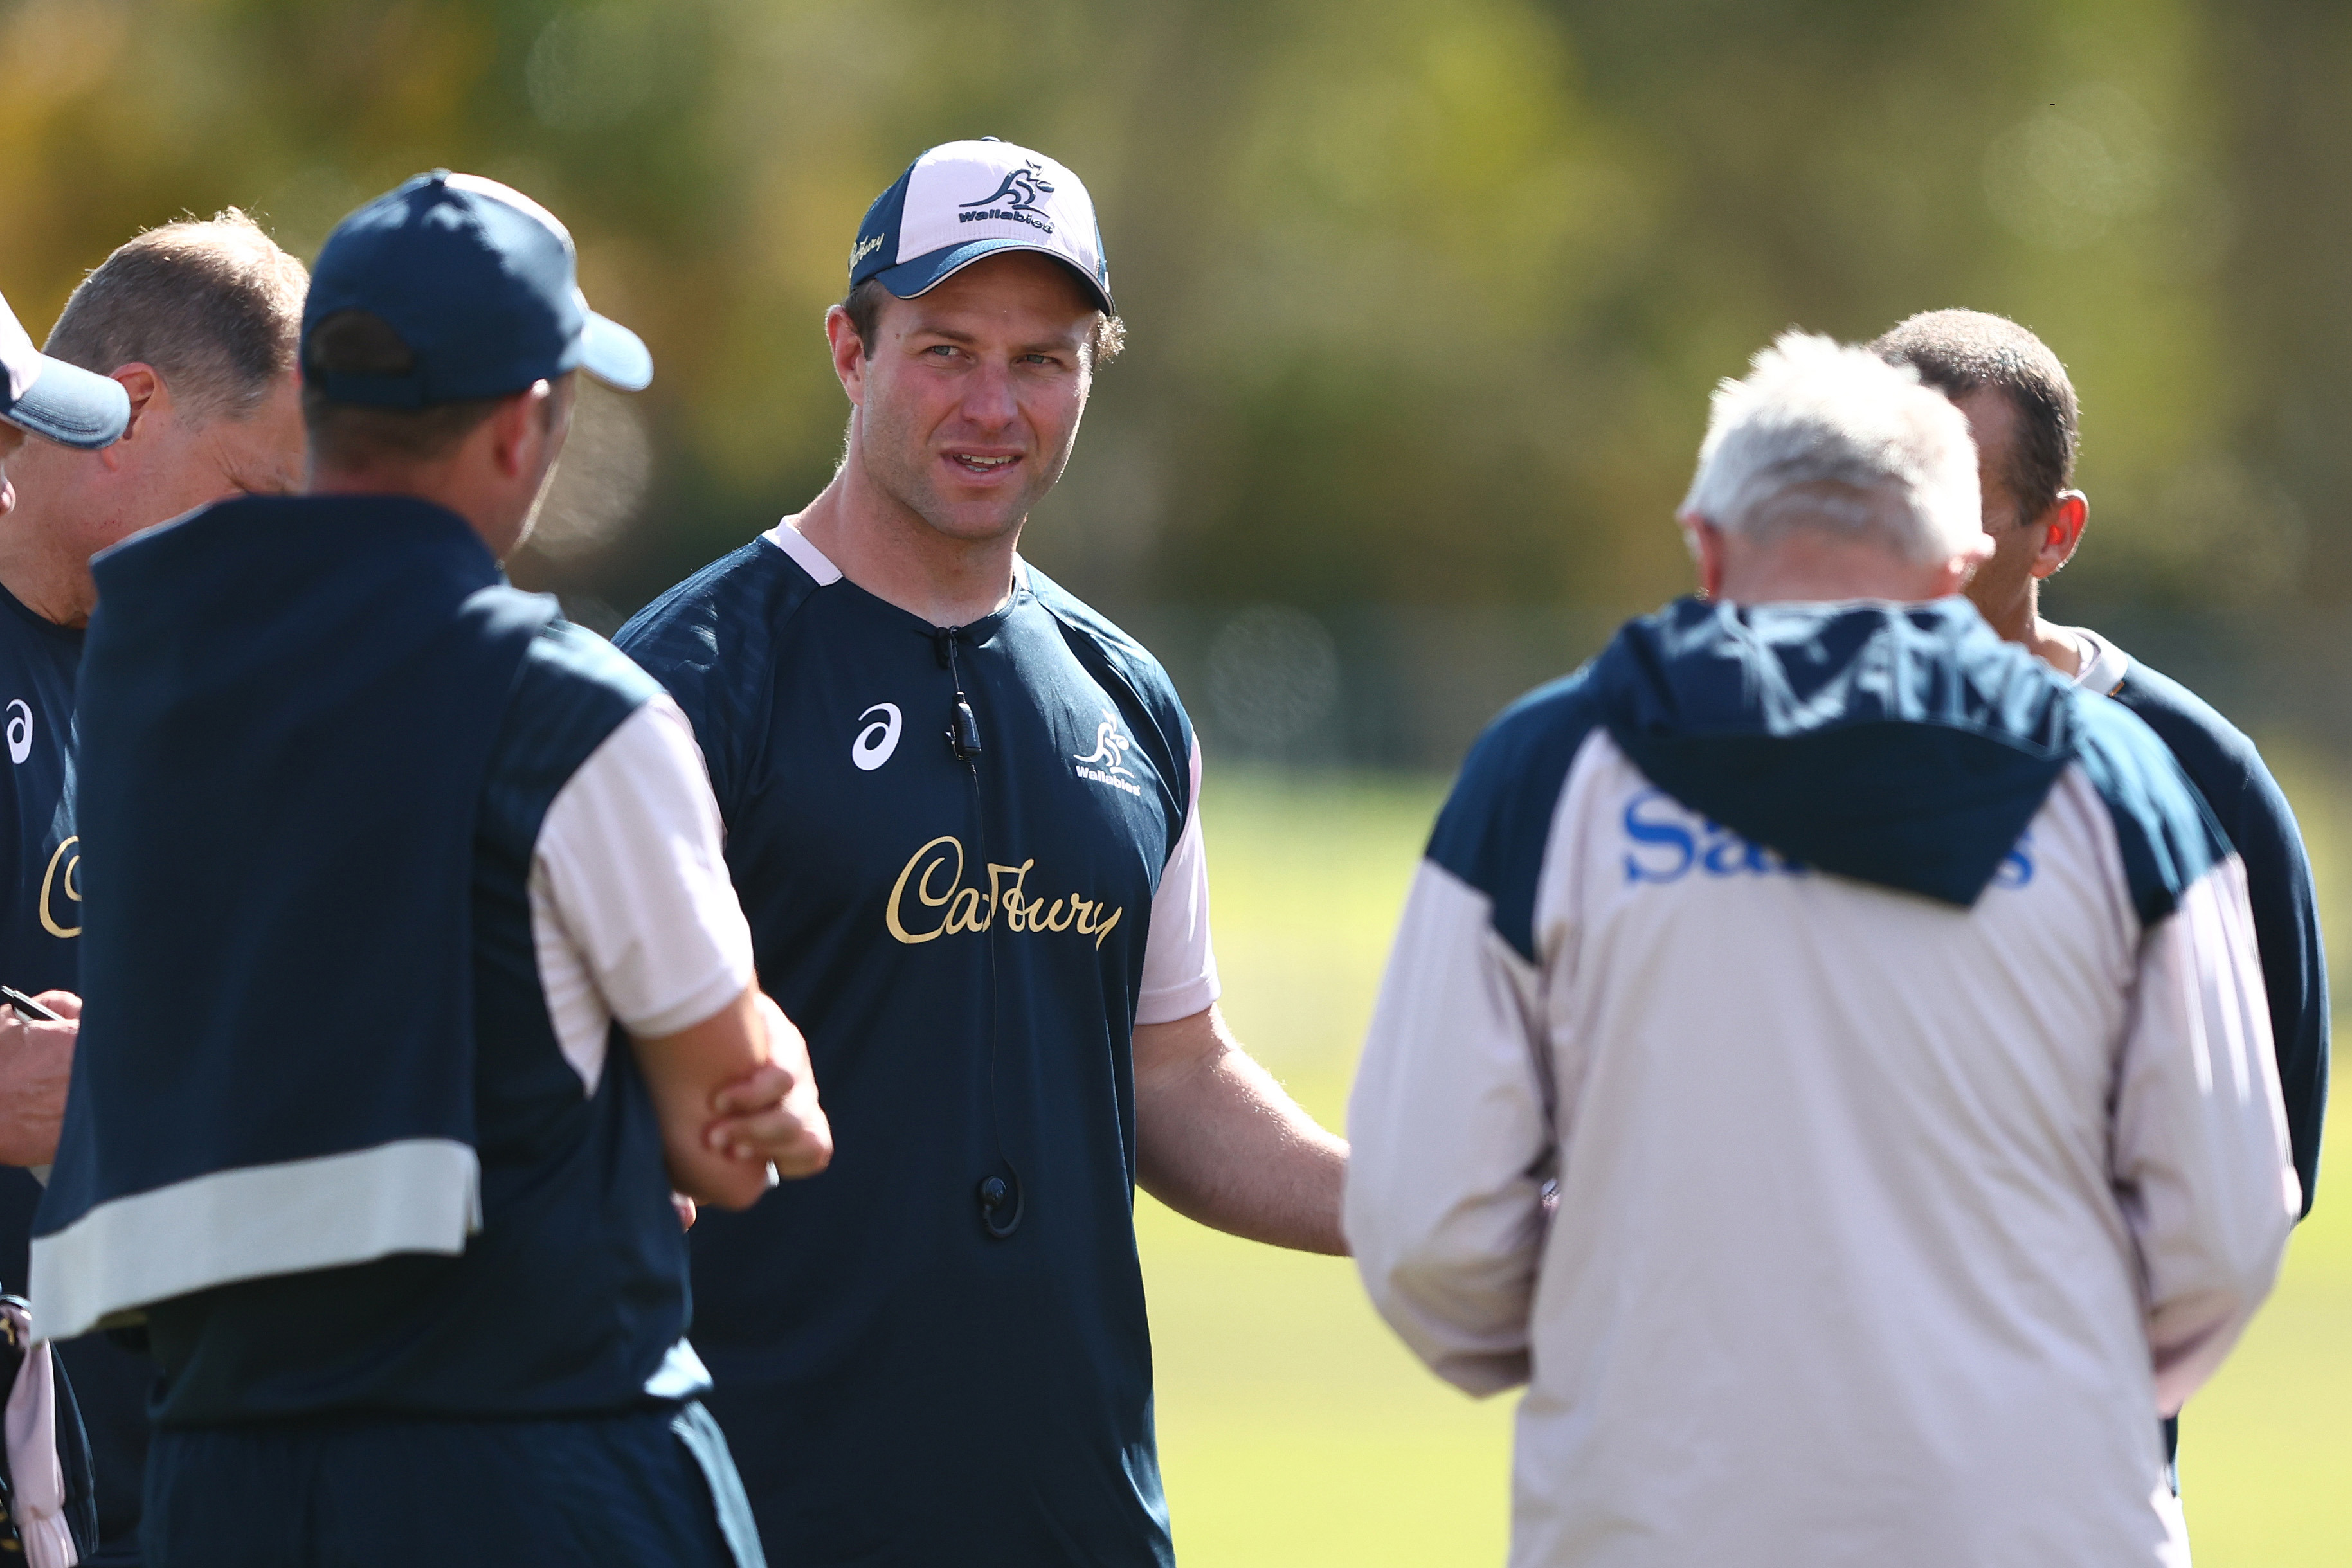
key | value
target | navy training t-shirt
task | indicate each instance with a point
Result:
(2252, 812)
(40, 922)
(962, 939)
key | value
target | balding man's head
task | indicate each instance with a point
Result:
(199, 322)
(215, 306)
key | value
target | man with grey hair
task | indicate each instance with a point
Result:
(194, 324)
(1823, 1056)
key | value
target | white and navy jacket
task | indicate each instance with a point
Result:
(1824, 1058)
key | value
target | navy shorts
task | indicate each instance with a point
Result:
(653, 1486)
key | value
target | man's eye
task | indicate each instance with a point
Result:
(943, 350)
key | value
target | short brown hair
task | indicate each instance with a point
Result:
(214, 306)
(356, 435)
(864, 307)
(1959, 352)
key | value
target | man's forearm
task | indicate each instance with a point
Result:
(1219, 1141)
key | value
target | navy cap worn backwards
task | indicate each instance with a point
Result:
(482, 285)
(49, 397)
(965, 200)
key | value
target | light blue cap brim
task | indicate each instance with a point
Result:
(614, 355)
(71, 407)
(910, 278)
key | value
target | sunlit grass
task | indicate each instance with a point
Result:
(1296, 1432)
(1293, 1429)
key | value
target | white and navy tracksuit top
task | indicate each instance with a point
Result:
(1825, 1060)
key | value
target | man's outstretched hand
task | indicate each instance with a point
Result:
(771, 1114)
(36, 1063)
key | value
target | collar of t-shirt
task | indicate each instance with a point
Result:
(2104, 665)
(819, 565)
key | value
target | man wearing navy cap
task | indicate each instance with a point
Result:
(415, 982)
(963, 811)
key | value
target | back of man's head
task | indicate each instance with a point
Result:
(1962, 351)
(434, 306)
(356, 436)
(213, 306)
(1834, 439)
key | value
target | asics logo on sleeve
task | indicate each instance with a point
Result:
(877, 741)
(20, 730)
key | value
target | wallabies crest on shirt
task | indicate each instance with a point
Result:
(1107, 763)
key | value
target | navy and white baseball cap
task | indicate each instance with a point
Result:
(964, 200)
(70, 405)
(482, 285)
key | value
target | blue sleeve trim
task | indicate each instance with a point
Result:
(2253, 814)
(1493, 829)
(711, 643)
(573, 690)
(2168, 837)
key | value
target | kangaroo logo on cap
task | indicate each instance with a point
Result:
(1025, 186)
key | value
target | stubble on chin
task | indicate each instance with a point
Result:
(918, 492)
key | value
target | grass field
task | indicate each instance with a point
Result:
(1296, 1432)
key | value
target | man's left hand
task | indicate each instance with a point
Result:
(771, 1114)
(36, 1064)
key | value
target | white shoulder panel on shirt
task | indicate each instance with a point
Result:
(809, 559)
(633, 915)
(1180, 968)
(2106, 667)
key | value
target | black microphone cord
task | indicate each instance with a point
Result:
(1001, 1197)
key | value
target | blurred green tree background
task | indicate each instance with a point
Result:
(1425, 298)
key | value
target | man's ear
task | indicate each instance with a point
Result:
(848, 353)
(1706, 543)
(517, 426)
(151, 399)
(2062, 529)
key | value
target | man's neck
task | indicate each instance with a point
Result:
(428, 482)
(2055, 645)
(43, 577)
(893, 554)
